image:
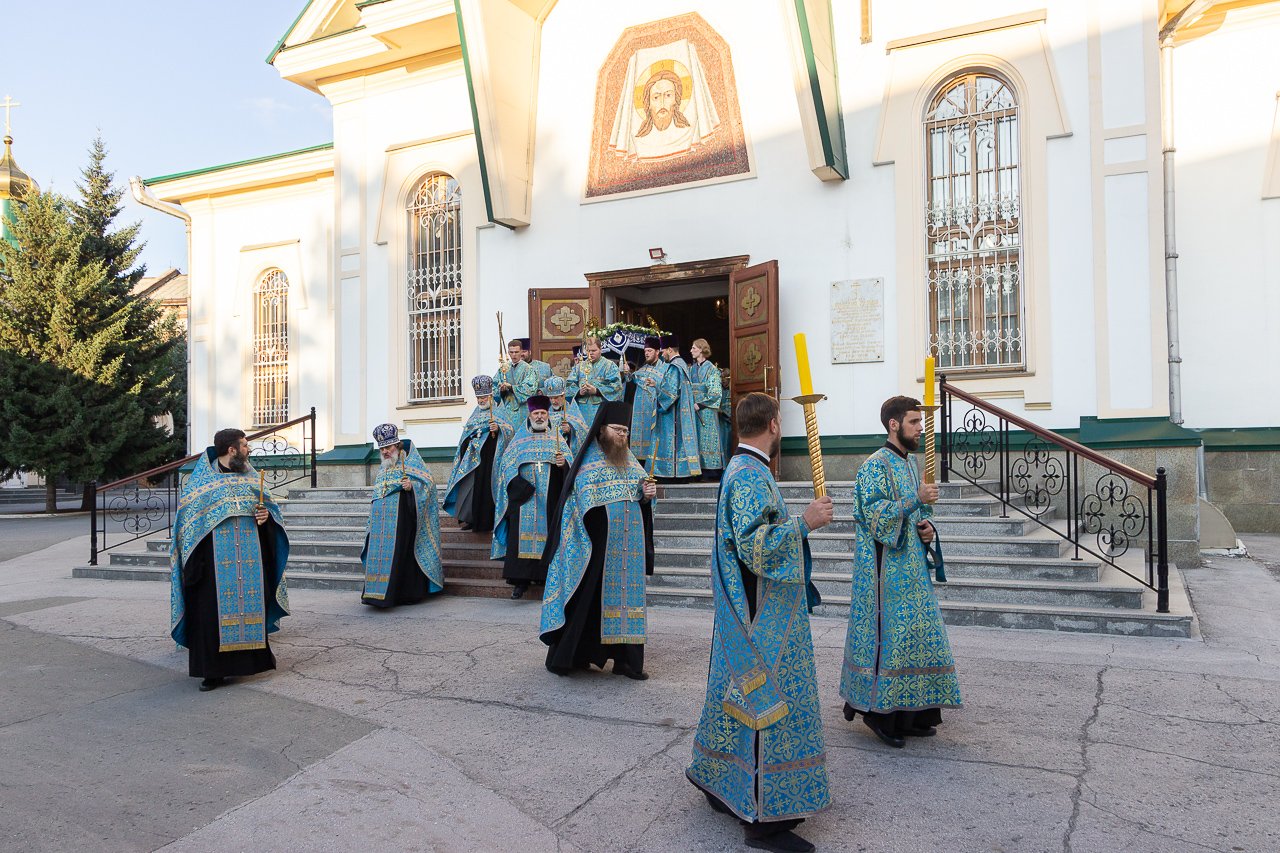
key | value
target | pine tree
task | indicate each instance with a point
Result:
(70, 406)
(149, 336)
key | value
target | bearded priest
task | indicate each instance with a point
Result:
(226, 562)
(526, 487)
(601, 539)
(401, 552)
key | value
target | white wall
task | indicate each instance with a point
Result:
(1228, 237)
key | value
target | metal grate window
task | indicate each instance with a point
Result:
(435, 290)
(271, 349)
(973, 220)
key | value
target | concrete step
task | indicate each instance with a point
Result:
(948, 526)
(682, 505)
(1130, 623)
(986, 590)
(1037, 544)
(958, 565)
(837, 490)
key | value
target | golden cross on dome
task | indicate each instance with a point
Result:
(8, 103)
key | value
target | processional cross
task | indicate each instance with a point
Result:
(8, 103)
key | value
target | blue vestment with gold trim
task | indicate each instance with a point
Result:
(664, 432)
(759, 747)
(578, 423)
(384, 516)
(602, 374)
(223, 504)
(897, 656)
(467, 458)
(525, 382)
(600, 484)
(530, 458)
(704, 378)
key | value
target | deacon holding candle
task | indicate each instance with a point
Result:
(758, 754)
(898, 669)
(227, 565)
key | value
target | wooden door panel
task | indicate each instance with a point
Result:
(557, 321)
(753, 332)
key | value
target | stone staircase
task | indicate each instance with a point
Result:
(1002, 572)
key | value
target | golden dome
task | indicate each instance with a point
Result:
(14, 183)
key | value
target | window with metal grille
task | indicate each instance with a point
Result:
(271, 349)
(434, 290)
(973, 222)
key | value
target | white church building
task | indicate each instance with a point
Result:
(1074, 205)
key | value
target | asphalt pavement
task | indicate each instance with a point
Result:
(436, 727)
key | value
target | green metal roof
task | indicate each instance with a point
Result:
(264, 159)
(280, 44)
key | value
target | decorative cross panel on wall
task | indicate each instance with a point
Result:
(557, 321)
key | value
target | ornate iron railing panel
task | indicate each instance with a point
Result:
(1100, 506)
(143, 505)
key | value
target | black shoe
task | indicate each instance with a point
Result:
(634, 674)
(783, 842)
(922, 731)
(895, 741)
(211, 684)
(559, 670)
(849, 712)
(520, 590)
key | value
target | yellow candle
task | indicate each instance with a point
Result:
(802, 362)
(929, 383)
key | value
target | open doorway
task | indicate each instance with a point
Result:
(688, 311)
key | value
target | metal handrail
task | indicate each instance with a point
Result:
(140, 515)
(1106, 510)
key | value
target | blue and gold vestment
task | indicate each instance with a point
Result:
(759, 747)
(580, 426)
(467, 459)
(603, 375)
(664, 431)
(223, 505)
(897, 656)
(530, 458)
(525, 382)
(384, 516)
(598, 484)
(704, 378)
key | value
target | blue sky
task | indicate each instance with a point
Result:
(171, 84)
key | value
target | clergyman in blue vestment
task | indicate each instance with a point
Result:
(759, 753)
(468, 496)
(526, 487)
(592, 380)
(898, 669)
(601, 542)
(514, 383)
(401, 554)
(664, 435)
(226, 562)
(704, 378)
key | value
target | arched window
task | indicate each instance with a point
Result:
(973, 221)
(271, 349)
(435, 290)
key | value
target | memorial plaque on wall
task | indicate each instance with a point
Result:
(857, 321)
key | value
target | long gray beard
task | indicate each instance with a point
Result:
(537, 427)
(390, 463)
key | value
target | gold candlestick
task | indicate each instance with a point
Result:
(262, 482)
(810, 404)
(930, 454)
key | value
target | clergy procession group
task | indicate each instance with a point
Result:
(564, 472)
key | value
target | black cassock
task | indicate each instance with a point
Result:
(517, 569)
(578, 642)
(200, 591)
(475, 490)
(407, 584)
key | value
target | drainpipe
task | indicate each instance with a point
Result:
(144, 197)
(1170, 229)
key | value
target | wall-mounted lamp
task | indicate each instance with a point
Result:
(657, 255)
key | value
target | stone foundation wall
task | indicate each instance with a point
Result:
(1245, 485)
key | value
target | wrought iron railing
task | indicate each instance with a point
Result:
(1099, 505)
(143, 505)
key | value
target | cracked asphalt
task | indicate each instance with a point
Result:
(435, 727)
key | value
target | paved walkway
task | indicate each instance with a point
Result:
(435, 727)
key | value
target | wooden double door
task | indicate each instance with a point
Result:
(558, 316)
